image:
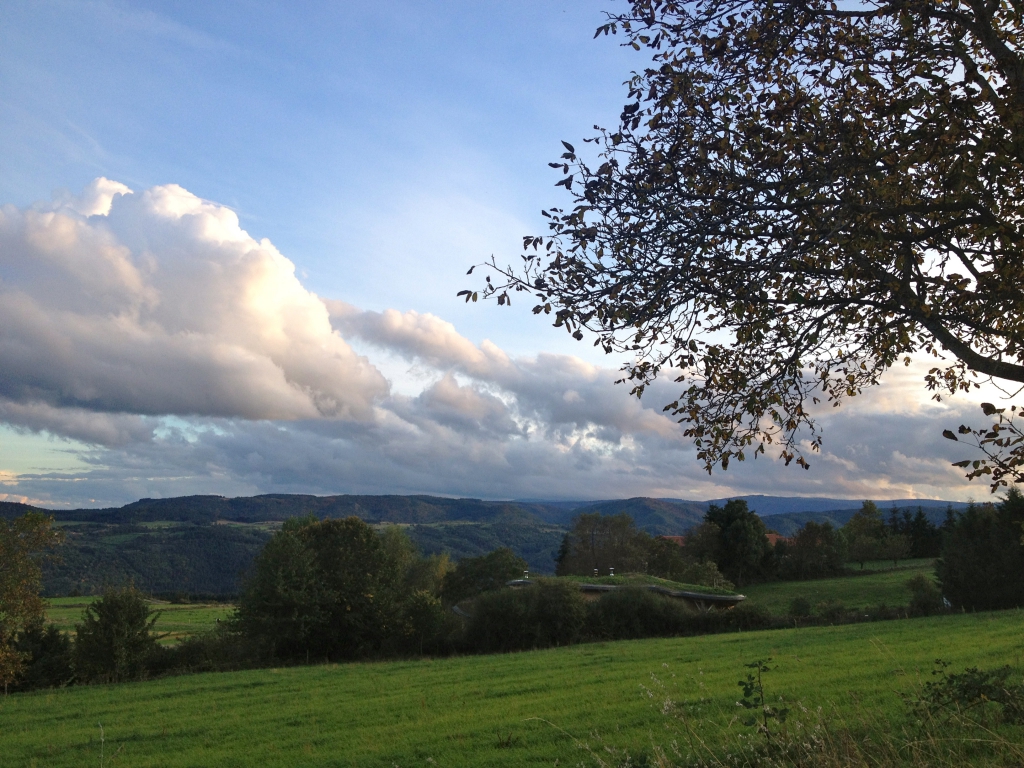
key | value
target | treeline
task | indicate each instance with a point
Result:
(980, 554)
(730, 548)
(337, 590)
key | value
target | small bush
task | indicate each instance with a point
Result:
(832, 611)
(626, 614)
(49, 660)
(220, 650)
(549, 612)
(424, 626)
(926, 599)
(499, 622)
(475, 575)
(559, 612)
(954, 695)
(800, 608)
(743, 618)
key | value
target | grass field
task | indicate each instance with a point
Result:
(510, 710)
(866, 591)
(175, 621)
(634, 579)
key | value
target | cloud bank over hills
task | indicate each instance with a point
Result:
(182, 355)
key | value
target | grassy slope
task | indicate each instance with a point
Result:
(888, 587)
(633, 579)
(175, 621)
(452, 710)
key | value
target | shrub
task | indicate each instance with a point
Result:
(114, 642)
(955, 694)
(559, 612)
(704, 573)
(626, 614)
(800, 608)
(832, 611)
(222, 649)
(473, 576)
(817, 550)
(49, 659)
(926, 599)
(424, 626)
(549, 612)
(743, 618)
(499, 622)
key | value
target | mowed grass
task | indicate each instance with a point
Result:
(176, 621)
(510, 710)
(889, 587)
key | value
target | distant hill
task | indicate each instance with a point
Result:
(656, 516)
(788, 523)
(769, 506)
(204, 544)
(257, 509)
(10, 510)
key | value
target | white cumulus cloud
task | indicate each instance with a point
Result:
(187, 357)
(158, 302)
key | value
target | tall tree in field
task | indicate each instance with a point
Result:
(115, 639)
(864, 533)
(743, 552)
(817, 550)
(602, 542)
(22, 542)
(322, 589)
(798, 196)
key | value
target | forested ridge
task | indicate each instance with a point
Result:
(203, 545)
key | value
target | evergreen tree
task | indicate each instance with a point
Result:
(115, 640)
(982, 563)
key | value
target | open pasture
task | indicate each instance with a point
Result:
(175, 621)
(509, 710)
(871, 589)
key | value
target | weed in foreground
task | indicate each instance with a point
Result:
(958, 719)
(507, 742)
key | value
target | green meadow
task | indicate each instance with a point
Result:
(552, 707)
(174, 622)
(860, 591)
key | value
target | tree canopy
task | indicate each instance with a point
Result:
(322, 589)
(743, 552)
(22, 541)
(982, 563)
(798, 196)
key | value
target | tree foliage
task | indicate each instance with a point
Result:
(744, 554)
(798, 196)
(864, 532)
(816, 551)
(597, 543)
(668, 560)
(982, 563)
(115, 639)
(475, 575)
(322, 589)
(22, 543)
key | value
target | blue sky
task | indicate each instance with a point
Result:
(381, 146)
(381, 149)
